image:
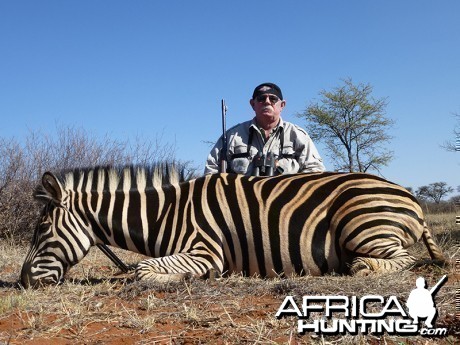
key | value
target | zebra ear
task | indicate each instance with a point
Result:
(52, 187)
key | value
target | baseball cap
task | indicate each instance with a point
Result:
(267, 88)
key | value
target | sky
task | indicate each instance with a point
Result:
(160, 68)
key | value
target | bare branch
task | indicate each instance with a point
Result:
(22, 165)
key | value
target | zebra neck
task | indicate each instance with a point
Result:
(143, 220)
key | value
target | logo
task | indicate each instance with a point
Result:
(353, 315)
(421, 302)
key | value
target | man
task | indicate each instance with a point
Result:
(421, 304)
(266, 145)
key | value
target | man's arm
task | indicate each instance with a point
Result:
(306, 157)
(310, 160)
(213, 162)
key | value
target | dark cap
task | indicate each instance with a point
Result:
(267, 88)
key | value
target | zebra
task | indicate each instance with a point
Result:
(300, 224)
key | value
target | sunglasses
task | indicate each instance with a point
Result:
(273, 99)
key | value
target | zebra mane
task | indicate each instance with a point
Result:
(156, 175)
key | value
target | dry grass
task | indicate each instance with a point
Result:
(96, 305)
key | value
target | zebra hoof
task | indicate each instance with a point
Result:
(360, 268)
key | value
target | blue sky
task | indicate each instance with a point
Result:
(147, 68)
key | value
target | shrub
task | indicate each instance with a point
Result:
(23, 163)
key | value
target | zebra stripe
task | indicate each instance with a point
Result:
(269, 226)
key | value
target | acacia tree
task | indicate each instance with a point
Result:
(434, 191)
(353, 126)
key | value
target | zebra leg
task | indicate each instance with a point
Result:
(363, 266)
(378, 252)
(173, 268)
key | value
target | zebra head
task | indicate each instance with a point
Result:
(59, 240)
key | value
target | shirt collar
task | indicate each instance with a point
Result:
(254, 124)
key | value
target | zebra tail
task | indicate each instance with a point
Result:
(435, 252)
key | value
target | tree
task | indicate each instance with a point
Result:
(434, 191)
(455, 200)
(353, 126)
(454, 144)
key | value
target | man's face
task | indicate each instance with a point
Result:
(268, 107)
